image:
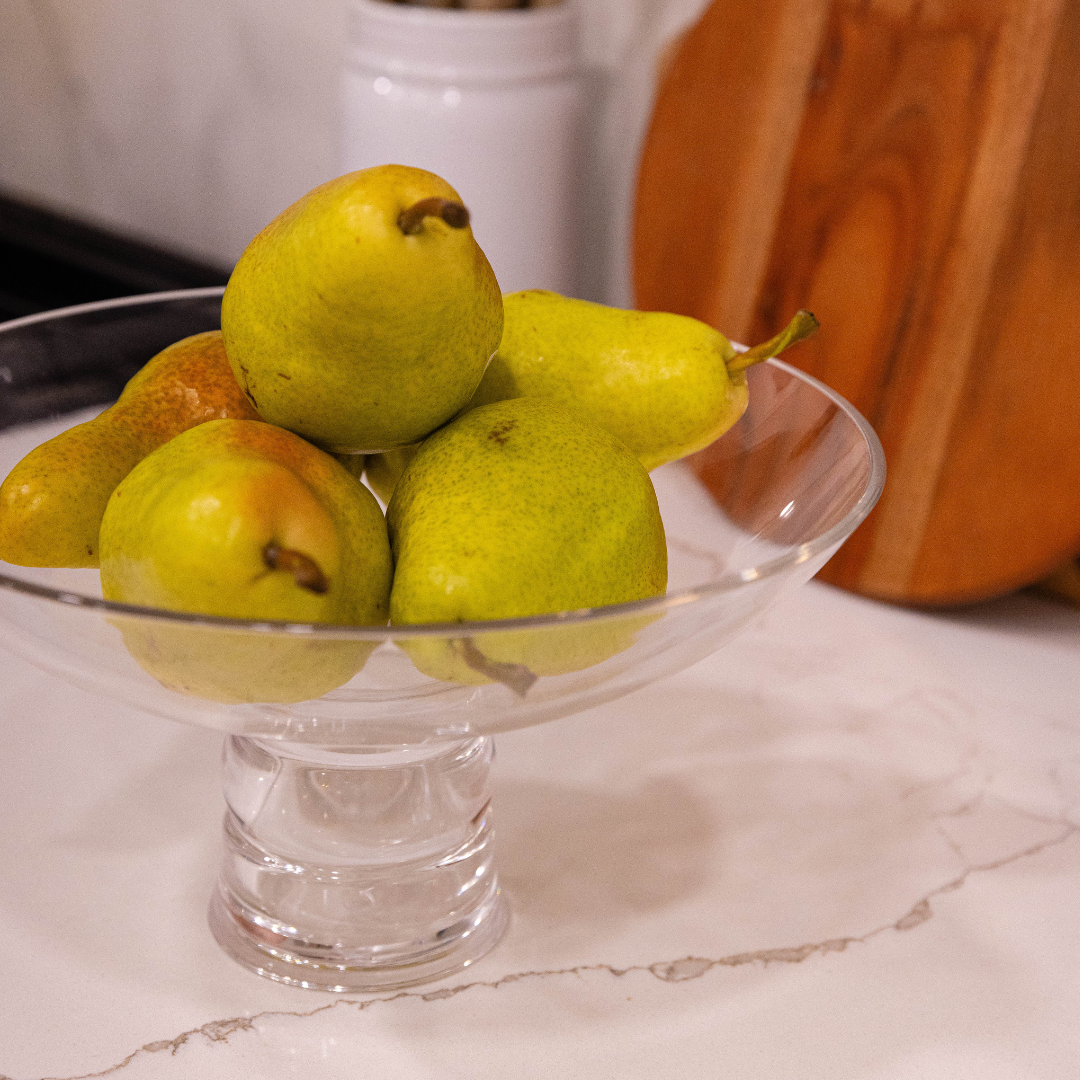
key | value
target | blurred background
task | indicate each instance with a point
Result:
(192, 125)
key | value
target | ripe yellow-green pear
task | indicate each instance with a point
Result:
(665, 384)
(379, 471)
(521, 508)
(383, 471)
(242, 519)
(52, 501)
(364, 315)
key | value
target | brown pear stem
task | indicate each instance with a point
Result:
(305, 570)
(411, 220)
(516, 676)
(799, 329)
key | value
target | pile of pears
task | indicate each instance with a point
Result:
(364, 337)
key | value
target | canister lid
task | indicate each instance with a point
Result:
(451, 45)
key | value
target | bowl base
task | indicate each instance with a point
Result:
(316, 967)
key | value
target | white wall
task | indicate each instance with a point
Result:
(194, 123)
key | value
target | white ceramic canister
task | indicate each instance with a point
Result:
(493, 102)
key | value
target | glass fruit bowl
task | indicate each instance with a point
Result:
(357, 831)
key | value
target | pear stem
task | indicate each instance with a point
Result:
(305, 570)
(799, 329)
(411, 219)
(516, 676)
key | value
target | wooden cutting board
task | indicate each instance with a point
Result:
(909, 170)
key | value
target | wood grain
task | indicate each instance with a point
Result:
(739, 70)
(929, 215)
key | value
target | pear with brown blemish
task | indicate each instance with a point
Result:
(52, 501)
(515, 509)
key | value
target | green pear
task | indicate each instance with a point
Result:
(665, 384)
(364, 315)
(242, 519)
(52, 501)
(514, 509)
(354, 463)
(383, 471)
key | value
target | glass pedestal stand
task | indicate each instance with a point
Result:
(359, 870)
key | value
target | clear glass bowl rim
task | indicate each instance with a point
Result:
(727, 582)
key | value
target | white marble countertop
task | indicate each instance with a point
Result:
(846, 847)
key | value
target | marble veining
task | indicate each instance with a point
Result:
(218, 1032)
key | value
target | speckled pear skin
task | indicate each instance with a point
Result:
(657, 381)
(352, 334)
(52, 501)
(520, 508)
(187, 530)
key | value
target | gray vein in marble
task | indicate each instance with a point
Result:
(672, 971)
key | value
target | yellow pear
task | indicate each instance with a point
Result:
(242, 519)
(364, 315)
(664, 384)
